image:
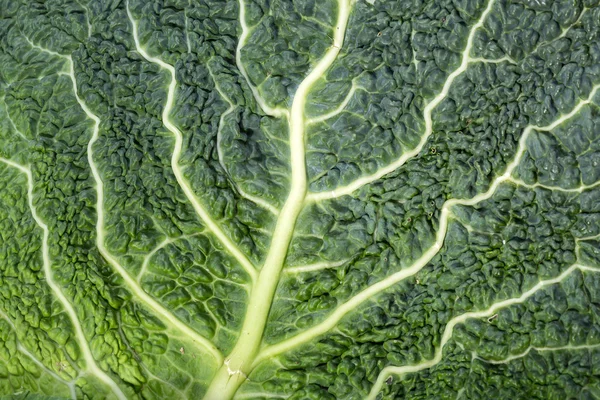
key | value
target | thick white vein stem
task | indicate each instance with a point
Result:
(360, 182)
(199, 208)
(239, 363)
(335, 317)
(90, 362)
(101, 234)
(331, 321)
(447, 335)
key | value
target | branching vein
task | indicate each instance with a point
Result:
(579, 189)
(315, 267)
(360, 182)
(90, 363)
(239, 363)
(69, 383)
(427, 256)
(101, 232)
(399, 371)
(539, 350)
(200, 210)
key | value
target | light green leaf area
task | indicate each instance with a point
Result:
(298, 199)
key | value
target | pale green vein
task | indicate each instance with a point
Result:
(101, 232)
(406, 369)
(593, 237)
(161, 245)
(415, 62)
(44, 50)
(239, 363)
(259, 395)
(563, 33)
(340, 108)
(91, 367)
(427, 115)
(427, 112)
(460, 393)
(492, 61)
(86, 11)
(426, 257)
(221, 118)
(187, 29)
(12, 123)
(271, 111)
(579, 189)
(198, 207)
(540, 350)
(70, 384)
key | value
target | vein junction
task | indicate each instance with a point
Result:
(447, 333)
(240, 362)
(427, 116)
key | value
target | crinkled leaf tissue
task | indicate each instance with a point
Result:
(300, 199)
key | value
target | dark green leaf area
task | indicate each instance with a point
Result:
(203, 286)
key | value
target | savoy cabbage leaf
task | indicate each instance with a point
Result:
(300, 199)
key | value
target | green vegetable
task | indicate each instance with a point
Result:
(299, 199)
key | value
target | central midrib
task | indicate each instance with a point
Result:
(238, 364)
